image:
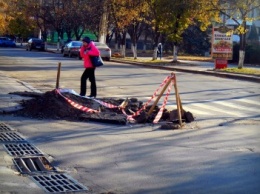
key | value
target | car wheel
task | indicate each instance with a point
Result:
(108, 58)
(64, 55)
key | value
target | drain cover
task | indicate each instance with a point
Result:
(4, 127)
(54, 183)
(10, 136)
(21, 149)
(29, 165)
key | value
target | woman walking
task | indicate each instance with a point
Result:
(87, 50)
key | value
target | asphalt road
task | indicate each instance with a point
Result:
(218, 153)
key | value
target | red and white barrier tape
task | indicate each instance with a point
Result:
(128, 117)
(76, 105)
(152, 97)
(160, 112)
(108, 105)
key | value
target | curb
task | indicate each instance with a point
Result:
(203, 72)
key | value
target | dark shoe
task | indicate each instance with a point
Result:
(91, 96)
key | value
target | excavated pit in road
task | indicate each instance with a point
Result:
(51, 105)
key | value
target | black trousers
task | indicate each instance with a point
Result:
(89, 73)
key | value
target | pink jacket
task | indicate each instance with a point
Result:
(85, 53)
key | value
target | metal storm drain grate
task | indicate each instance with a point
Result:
(31, 161)
(28, 165)
(4, 127)
(10, 136)
(21, 149)
(54, 183)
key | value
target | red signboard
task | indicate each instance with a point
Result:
(220, 64)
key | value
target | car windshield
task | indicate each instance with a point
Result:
(76, 43)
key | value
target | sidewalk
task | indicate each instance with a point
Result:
(10, 102)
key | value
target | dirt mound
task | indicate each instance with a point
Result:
(51, 105)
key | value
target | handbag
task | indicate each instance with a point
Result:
(96, 61)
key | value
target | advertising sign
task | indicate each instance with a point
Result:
(222, 44)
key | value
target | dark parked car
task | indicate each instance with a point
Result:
(35, 43)
(72, 49)
(7, 42)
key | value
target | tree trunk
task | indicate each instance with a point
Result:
(144, 47)
(241, 59)
(155, 53)
(117, 42)
(116, 46)
(155, 42)
(123, 45)
(134, 50)
(242, 48)
(78, 32)
(40, 34)
(69, 34)
(109, 37)
(122, 51)
(134, 30)
(175, 53)
(103, 25)
(145, 42)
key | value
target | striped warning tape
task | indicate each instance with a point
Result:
(128, 117)
(153, 96)
(160, 112)
(108, 105)
(76, 105)
(86, 109)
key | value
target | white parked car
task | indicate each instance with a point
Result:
(105, 51)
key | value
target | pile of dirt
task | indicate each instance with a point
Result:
(51, 105)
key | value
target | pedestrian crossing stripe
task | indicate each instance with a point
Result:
(233, 107)
(212, 108)
(254, 102)
(236, 106)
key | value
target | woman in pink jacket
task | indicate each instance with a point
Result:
(87, 50)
